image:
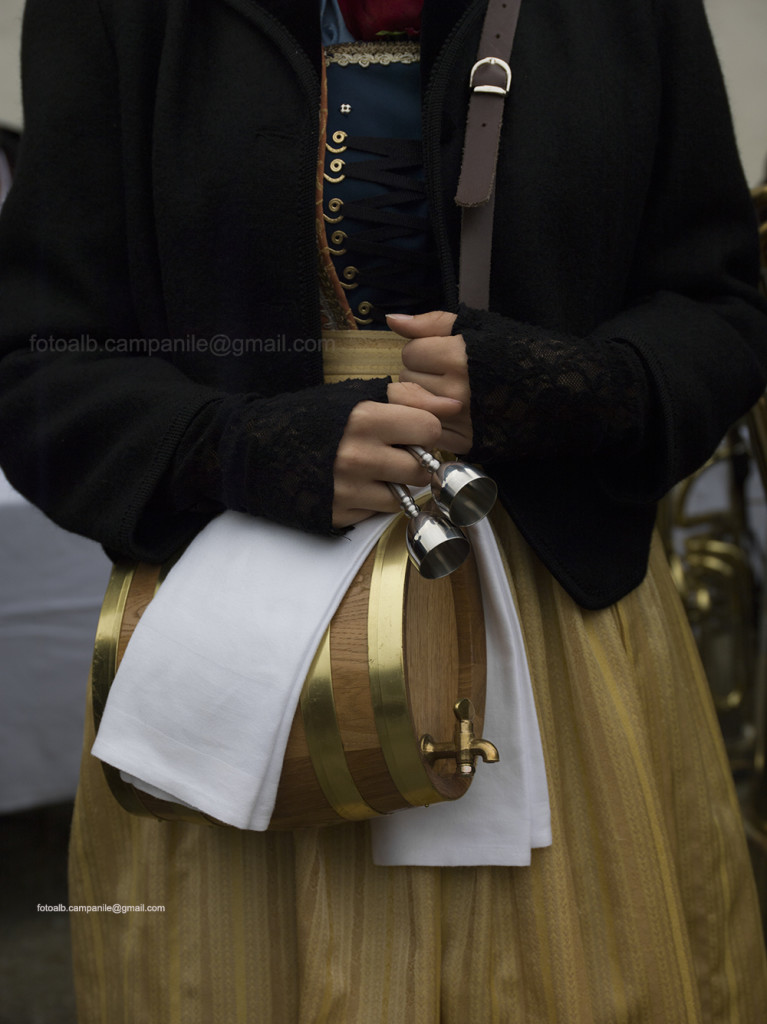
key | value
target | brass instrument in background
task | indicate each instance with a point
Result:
(715, 562)
(717, 557)
(756, 808)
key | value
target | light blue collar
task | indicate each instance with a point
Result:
(334, 28)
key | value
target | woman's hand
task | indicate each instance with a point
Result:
(428, 407)
(436, 360)
(367, 459)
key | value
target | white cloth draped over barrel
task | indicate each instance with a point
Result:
(202, 704)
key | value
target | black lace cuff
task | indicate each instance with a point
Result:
(534, 395)
(271, 457)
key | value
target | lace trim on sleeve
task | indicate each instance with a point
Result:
(272, 457)
(534, 395)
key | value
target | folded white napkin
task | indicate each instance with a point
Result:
(220, 656)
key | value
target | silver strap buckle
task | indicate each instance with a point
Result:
(497, 89)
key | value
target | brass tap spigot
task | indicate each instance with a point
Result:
(465, 747)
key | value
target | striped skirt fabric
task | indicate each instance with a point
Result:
(642, 910)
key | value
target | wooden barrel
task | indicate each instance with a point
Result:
(399, 654)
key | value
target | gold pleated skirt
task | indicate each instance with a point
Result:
(642, 910)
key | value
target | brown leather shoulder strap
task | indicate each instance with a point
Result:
(490, 83)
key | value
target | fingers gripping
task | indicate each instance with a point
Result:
(367, 457)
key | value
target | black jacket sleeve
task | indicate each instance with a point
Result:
(539, 395)
(658, 383)
(662, 379)
(119, 446)
(586, 433)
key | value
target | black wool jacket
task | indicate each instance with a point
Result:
(159, 288)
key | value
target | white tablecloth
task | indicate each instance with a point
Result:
(51, 587)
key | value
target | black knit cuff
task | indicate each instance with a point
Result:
(278, 455)
(534, 395)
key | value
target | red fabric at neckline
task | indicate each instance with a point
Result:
(375, 19)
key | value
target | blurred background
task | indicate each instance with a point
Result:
(51, 587)
(52, 583)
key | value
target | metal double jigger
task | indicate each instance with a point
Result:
(463, 494)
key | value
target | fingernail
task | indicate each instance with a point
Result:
(399, 316)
